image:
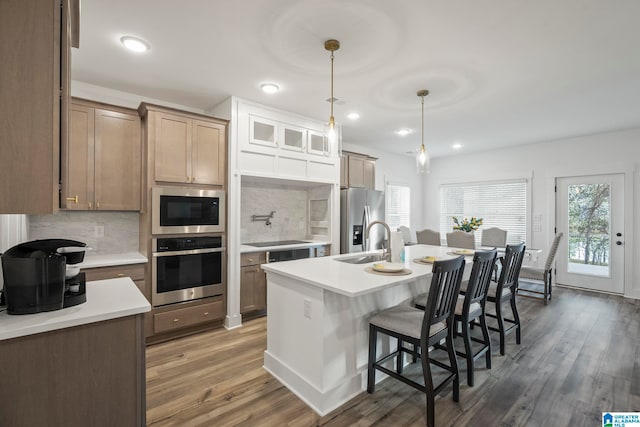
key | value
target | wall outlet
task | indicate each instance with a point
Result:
(307, 308)
(98, 231)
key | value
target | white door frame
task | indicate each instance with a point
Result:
(626, 168)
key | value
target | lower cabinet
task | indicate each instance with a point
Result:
(135, 272)
(188, 316)
(253, 282)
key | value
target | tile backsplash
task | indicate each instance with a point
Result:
(289, 221)
(105, 232)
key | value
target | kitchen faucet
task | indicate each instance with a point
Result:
(386, 252)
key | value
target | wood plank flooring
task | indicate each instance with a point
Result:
(580, 356)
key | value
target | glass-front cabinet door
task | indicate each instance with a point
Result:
(316, 143)
(263, 131)
(292, 137)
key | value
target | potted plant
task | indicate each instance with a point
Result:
(467, 224)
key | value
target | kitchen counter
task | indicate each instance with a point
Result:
(79, 366)
(106, 260)
(350, 279)
(244, 248)
(106, 299)
(318, 312)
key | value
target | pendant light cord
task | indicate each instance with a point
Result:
(331, 83)
(422, 127)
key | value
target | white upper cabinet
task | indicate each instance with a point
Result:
(263, 131)
(273, 143)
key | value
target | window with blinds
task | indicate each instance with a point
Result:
(501, 204)
(398, 198)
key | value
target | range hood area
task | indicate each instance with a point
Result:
(297, 212)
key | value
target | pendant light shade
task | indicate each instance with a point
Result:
(332, 131)
(423, 161)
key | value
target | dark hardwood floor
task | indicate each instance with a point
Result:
(580, 356)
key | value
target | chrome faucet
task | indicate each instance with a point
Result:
(385, 251)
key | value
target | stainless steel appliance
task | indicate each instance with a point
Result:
(289, 254)
(36, 277)
(187, 268)
(358, 207)
(187, 211)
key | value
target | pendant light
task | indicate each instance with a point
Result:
(332, 131)
(423, 162)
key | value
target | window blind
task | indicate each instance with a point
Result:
(398, 199)
(501, 204)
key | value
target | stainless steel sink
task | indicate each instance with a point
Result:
(362, 259)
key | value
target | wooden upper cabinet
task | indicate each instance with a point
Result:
(102, 161)
(77, 160)
(173, 145)
(208, 153)
(35, 51)
(357, 170)
(117, 160)
(185, 148)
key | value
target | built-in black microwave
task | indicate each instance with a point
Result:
(187, 210)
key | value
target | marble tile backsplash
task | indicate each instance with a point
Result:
(289, 221)
(105, 232)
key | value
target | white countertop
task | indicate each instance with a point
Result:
(351, 279)
(107, 260)
(307, 244)
(106, 299)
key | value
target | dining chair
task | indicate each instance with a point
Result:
(544, 275)
(406, 234)
(494, 237)
(421, 329)
(428, 237)
(471, 306)
(461, 239)
(505, 291)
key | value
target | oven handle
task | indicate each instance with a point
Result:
(189, 252)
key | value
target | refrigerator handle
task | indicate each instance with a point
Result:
(365, 224)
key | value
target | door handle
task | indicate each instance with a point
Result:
(619, 234)
(618, 243)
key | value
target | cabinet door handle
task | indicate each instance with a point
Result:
(97, 205)
(176, 320)
(206, 313)
(193, 179)
(120, 274)
(73, 199)
(90, 204)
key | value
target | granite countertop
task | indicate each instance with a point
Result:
(106, 260)
(244, 248)
(106, 300)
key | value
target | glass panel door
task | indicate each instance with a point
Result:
(590, 213)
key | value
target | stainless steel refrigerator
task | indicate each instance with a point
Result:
(358, 208)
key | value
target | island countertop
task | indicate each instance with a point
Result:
(106, 299)
(351, 279)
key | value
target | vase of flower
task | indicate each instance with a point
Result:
(465, 224)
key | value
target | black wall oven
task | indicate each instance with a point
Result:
(187, 268)
(187, 210)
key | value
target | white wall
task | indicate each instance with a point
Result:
(398, 169)
(541, 163)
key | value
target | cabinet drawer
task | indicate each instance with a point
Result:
(183, 317)
(135, 271)
(253, 258)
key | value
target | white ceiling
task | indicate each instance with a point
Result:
(500, 72)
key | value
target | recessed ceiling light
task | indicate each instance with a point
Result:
(403, 132)
(457, 146)
(135, 44)
(269, 87)
(353, 116)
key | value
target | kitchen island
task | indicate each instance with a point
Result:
(318, 314)
(82, 365)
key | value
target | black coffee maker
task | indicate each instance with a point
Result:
(41, 276)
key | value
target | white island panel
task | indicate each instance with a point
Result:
(322, 355)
